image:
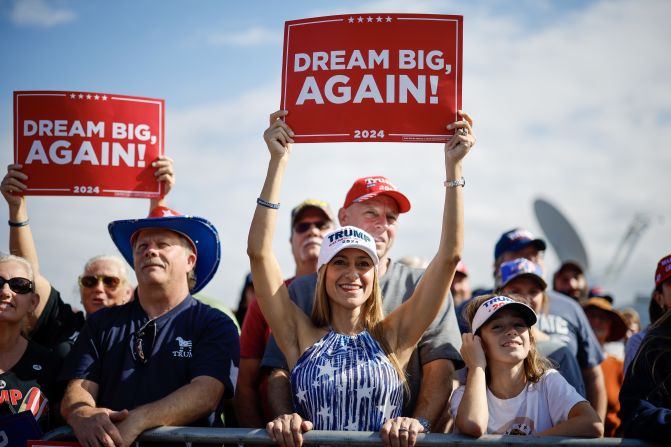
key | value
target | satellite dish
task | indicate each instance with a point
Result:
(560, 233)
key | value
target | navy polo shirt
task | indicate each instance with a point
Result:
(192, 340)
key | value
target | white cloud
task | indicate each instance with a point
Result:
(247, 38)
(40, 13)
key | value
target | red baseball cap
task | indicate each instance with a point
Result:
(368, 187)
(663, 270)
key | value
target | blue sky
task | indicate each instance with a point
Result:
(572, 102)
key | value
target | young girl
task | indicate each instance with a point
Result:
(525, 279)
(509, 389)
(347, 360)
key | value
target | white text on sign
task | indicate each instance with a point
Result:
(396, 88)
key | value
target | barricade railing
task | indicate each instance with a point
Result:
(242, 436)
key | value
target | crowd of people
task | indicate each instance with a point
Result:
(352, 340)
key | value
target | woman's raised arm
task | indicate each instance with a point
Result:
(280, 313)
(409, 321)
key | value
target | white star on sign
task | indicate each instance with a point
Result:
(387, 409)
(81, 96)
(326, 369)
(104, 98)
(360, 19)
(73, 96)
(97, 97)
(379, 19)
(351, 20)
(388, 19)
(88, 96)
(301, 395)
(370, 19)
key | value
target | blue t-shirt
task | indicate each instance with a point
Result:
(566, 323)
(191, 340)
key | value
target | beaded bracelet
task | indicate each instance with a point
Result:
(454, 183)
(267, 204)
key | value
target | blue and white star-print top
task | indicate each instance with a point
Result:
(346, 382)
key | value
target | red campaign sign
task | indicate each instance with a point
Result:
(88, 144)
(372, 77)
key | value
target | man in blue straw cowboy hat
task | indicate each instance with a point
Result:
(164, 358)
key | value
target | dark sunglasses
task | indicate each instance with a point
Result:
(142, 342)
(91, 281)
(302, 227)
(17, 285)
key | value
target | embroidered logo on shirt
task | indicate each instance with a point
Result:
(184, 348)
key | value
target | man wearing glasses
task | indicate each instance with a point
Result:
(310, 221)
(164, 358)
(104, 283)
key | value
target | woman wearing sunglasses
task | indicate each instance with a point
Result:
(28, 372)
(104, 283)
(348, 360)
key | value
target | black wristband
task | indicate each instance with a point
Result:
(267, 204)
(18, 224)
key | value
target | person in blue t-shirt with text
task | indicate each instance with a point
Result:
(164, 358)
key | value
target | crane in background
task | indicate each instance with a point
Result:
(569, 246)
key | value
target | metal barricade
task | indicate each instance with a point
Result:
(242, 436)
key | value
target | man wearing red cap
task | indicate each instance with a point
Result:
(374, 205)
(164, 358)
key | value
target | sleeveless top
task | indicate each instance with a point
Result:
(345, 382)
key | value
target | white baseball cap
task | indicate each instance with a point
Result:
(346, 237)
(490, 307)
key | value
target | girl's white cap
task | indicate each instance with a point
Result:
(490, 307)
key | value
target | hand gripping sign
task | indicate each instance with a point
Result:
(372, 77)
(91, 144)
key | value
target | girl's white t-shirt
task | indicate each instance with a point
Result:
(538, 407)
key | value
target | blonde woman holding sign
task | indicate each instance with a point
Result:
(347, 361)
